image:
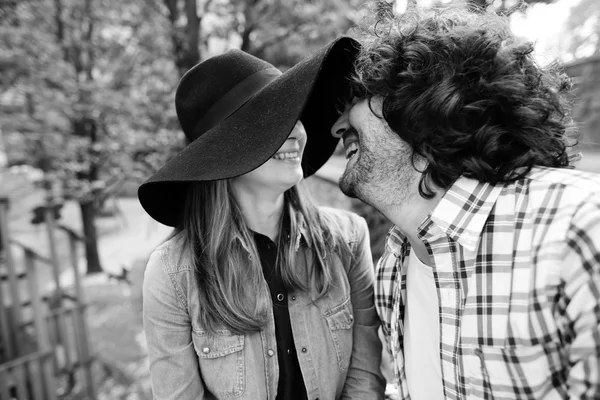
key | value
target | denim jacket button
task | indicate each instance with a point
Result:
(304, 349)
(270, 353)
(206, 350)
(293, 298)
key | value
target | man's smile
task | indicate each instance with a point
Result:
(350, 138)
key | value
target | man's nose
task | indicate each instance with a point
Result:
(341, 125)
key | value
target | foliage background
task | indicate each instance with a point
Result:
(87, 86)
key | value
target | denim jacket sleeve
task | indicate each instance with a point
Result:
(364, 379)
(174, 370)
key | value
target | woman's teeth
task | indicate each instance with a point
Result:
(351, 149)
(286, 156)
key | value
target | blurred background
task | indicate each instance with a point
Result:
(86, 114)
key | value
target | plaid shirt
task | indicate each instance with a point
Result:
(518, 287)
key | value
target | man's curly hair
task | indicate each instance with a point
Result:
(466, 94)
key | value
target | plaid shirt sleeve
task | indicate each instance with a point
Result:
(582, 299)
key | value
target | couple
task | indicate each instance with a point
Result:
(490, 283)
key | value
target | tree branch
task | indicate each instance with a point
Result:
(192, 55)
(173, 11)
(206, 6)
(246, 42)
(507, 12)
(279, 38)
(249, 25)
(176, 41)
(60, 28)
(88, 35)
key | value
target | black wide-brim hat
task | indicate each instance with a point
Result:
(237, 111)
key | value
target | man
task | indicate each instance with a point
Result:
(490, 283)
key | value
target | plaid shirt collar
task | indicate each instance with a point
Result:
(461, 214)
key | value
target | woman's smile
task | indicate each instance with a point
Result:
(288, 157)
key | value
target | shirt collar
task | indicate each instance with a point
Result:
(395, 241)
(463, 211)
(461, 214)
(302, 239)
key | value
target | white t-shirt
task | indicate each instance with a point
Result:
(422, 333)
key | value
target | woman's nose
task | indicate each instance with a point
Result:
(298, 132)
(342, 124)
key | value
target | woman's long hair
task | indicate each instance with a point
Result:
(233, 292)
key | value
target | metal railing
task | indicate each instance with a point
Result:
(44, 347)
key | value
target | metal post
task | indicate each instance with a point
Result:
(40, 326)
(13, 282)
(80, 320)
(50, 225)
(5, 335)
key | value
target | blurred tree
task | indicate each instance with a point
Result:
(87, 87)
(185, 31)
(506, 6)
(583, 24)
(84, 84)
(74, 30)
(285, 31)
(280, 31)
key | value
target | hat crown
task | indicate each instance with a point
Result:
(208, 82)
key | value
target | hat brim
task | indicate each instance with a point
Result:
(250, 136)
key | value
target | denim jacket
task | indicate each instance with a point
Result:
(335, 335)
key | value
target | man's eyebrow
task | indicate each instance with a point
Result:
(341, 102)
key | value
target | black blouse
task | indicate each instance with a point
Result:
(291, 384)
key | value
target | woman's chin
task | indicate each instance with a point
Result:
(290, 181)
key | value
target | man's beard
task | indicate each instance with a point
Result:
(353, 181)
(377, 182)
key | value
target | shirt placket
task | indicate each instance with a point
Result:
(269, 344)
(397, 328)
(398, 291)
(448, 284)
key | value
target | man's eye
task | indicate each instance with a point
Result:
(340, 104)
(357, 91)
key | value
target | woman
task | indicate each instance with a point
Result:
(258, 294)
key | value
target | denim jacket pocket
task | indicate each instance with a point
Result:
(221, 360)
(340, 322)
